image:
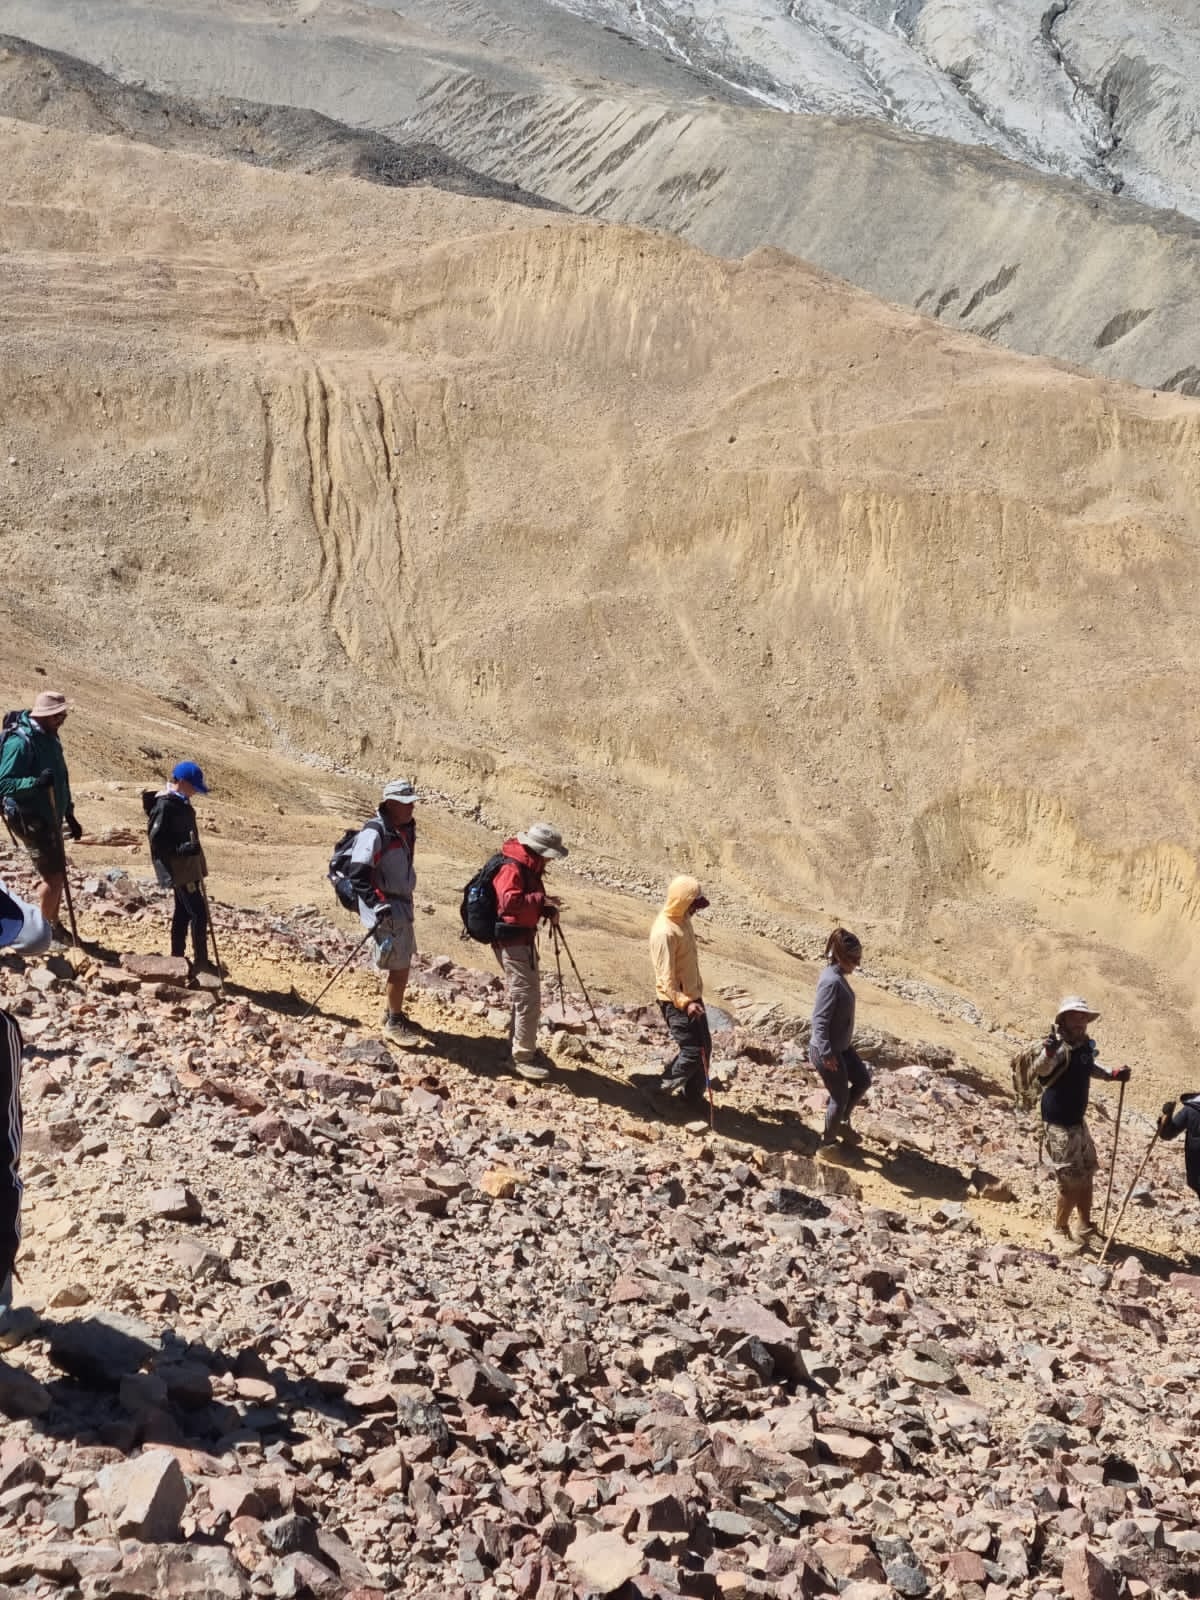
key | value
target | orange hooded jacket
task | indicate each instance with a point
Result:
(673, 946)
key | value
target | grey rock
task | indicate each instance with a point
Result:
(22, 1395)
(103, 1348)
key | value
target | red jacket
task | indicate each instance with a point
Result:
(518, 887)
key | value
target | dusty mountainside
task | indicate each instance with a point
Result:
(605, 123)
(722, 565)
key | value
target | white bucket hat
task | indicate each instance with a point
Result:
(543, 840)
(402, 790)
(1075, 1002)
(23, 929)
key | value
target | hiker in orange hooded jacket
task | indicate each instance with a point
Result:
(679, 989)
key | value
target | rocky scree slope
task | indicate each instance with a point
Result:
(321, 1319)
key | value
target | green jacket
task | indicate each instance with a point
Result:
(29, 750)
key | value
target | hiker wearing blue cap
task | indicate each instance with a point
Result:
(179, 862)
(24, 931)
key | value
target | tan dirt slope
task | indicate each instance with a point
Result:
(721, 565)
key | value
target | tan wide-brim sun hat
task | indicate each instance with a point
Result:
(1075, 1002)
(543, 840)
(50, 704)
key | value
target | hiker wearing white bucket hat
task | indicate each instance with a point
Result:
(383, 877)
(1070, 1060)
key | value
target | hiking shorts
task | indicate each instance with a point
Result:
(396, 955)
(45, 845)
(1070, 1152)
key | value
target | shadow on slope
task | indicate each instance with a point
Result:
(58, 91)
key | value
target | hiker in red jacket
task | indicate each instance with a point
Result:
(521, 904)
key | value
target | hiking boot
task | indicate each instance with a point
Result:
(17, 1323)
(849, 1135)
(530, 1065)
(678, 1088)
(1087, 1236)
(399, 1029)
(60, 937)
(1062, 1243)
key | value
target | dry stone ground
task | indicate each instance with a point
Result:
(314, 1317)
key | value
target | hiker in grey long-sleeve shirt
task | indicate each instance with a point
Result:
(842, 1069)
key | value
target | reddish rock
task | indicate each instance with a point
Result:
(176, 1204)
(156, 969)
(235, 1496)
(142, 1111)
(413, 1195)
(741, 1318)
(603, 1562)
(965, 1566)
(845, 1562)
(851, 1450)
(270, 1128)
(145, 1498)
(1086, 1577)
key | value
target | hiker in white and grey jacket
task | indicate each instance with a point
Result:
(24, 931)
(383, 877)
(842, 1069)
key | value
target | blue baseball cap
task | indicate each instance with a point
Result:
(189, 772)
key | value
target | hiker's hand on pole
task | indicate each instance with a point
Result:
(1119, 1075)
(45, 779)
(73, 827)
(695, 1008)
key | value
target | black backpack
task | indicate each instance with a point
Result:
(339, 864)
(478, 909)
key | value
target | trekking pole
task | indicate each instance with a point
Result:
(1112, 1163)
(337, 974)
(579, 979)
(562, 993)
(208, 916)
(212, 929)
(76, 940)
(1129, 1193)
(706, 1057)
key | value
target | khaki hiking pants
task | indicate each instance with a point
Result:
(520, 967)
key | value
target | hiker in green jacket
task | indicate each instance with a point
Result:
(35, 793)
